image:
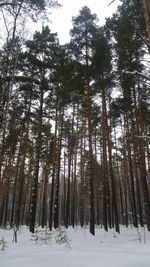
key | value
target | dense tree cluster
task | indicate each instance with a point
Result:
(75, 122)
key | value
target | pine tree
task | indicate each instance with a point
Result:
(83, 32)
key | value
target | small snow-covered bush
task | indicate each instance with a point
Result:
(141, 235)
(3, 244)
(46, 237)
(62, 237)
(42, 236)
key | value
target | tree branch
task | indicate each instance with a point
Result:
(111, 2)
(20, 79)
(7, 4)
(138, 74)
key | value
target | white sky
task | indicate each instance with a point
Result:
(61, 18)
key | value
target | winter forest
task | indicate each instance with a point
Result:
(75, 119)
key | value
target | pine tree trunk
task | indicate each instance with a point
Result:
(54, 168)
(57, 193)
(104, 162)
(45, 189)
(91, 174)
(34, 191)
(146, 4)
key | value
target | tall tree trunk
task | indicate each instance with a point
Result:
(54, 168)
(146, 4)
(104, 161)
(34, 191)
(91, 174)
(59, 148)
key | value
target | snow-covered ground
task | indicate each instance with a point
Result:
(103, 250)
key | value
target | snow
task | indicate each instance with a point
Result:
(103, 250)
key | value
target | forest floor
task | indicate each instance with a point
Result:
(77, 248)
